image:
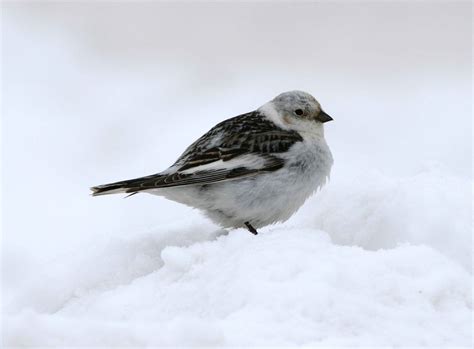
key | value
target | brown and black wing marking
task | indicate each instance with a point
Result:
(245, 134)
(249, 133)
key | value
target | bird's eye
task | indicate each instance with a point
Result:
(299, 112)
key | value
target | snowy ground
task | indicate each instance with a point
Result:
(382, 256)
(394, 283)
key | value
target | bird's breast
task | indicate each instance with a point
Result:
(311, 160)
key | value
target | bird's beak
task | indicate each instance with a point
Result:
(323, 117)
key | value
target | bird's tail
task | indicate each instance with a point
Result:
(130, 186)
(111, 188)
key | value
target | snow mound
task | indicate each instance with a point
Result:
(374, 211)
(286, 286)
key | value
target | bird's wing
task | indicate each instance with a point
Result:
(200, 177)
(243, 135)
(243, 146)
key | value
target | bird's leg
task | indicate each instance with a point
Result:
(250, 228)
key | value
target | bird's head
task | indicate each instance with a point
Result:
(299, 105)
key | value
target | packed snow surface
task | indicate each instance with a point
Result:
(290, 285)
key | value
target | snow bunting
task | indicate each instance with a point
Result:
(251, 170)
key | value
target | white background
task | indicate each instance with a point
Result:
(99, 92)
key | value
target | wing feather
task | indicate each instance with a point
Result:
(249, 133)
(243, 146)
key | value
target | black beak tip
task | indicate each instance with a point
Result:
(323, 117)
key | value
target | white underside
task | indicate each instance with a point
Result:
(265, 198)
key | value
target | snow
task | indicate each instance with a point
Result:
(293, 284)
(429, 207)
(237, 289)
(381, 256)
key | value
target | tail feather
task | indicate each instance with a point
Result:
(106, 189)
(129, 186)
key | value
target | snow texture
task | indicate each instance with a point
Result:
(289, 285)
(381, 256)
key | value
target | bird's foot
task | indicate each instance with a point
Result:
(250, 228)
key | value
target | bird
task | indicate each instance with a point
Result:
(249, 171)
